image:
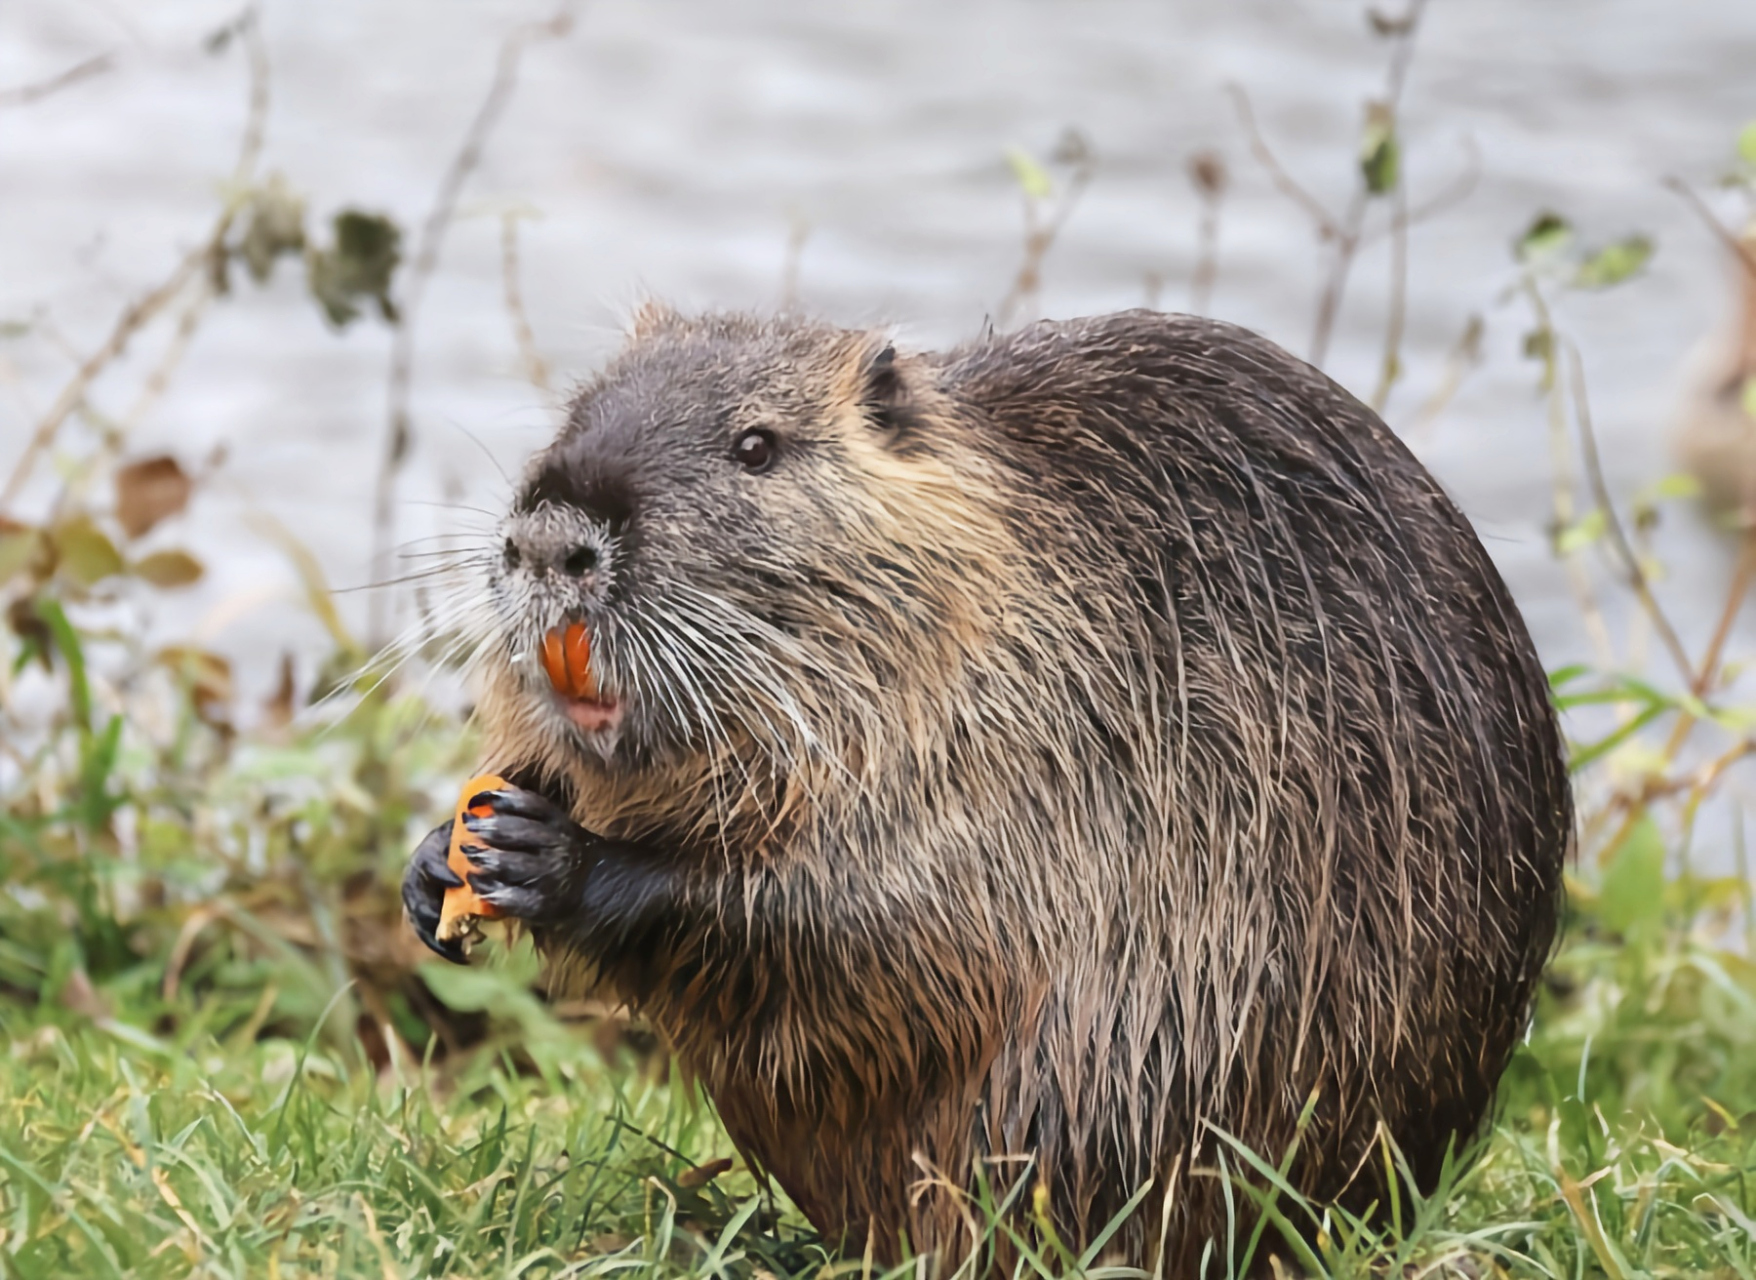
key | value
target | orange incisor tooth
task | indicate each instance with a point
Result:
(580, 681)
(555, 661)
(567, 660)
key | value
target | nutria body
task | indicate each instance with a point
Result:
(1065, 746)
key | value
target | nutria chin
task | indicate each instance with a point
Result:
(1067, 747)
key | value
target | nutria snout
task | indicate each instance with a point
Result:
(1072, 746)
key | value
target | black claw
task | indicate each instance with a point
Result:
(423, 891)
(517, 803)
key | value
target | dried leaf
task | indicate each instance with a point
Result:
(277, 712)
(149, 491)
(1207, 170)
(208, 676)
(84, 552)
(702, 1174)
(168, 569)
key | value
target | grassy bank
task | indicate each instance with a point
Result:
(225, 1057)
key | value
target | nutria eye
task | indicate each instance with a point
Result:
(755, 450)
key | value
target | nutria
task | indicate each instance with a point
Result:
(1067, 747)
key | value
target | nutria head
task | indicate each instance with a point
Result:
(739, 513)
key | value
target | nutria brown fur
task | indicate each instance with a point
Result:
(1069, 745)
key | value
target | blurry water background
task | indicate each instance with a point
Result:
(675, 148)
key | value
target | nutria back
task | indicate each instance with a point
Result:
(1067, 748)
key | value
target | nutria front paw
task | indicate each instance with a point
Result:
(530, 859)
(423, 890)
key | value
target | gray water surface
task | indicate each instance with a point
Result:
(670, 148)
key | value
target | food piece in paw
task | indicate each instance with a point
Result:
(462, 908)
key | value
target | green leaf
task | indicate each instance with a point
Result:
(1747, 143)
(168, 569)
(1031, 176)
(1380, 156)
(1582, 532)
(86, 554)
(1563, 676)
(67, 641)
(19, 548)
(1677, 485)
(1633, 891)
(357, 267)
(1747, 398)
(1539, 344)
(1614, 263)
(1546, 237)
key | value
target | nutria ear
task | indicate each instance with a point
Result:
(651, 317)
(885, 397)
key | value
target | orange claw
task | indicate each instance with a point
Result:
(567, 660)
(462, 908)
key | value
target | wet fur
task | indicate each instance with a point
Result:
(1100, 733)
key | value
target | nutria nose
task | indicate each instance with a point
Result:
(538, 548)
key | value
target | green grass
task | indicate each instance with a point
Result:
(198, 1079)
(172, 1138)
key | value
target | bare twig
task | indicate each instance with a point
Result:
(1207, 171)
(24, 94)
(196, 266)
(1391, 368)
(1452, 194)
(536, 369)
(1561, 483)
(399, 434)
(1277, 172)
(1464, 355)
(1040, 234)
(134, 317)
(160, 377)
(1638, 582)
(1746, 253)
(798, 232)
(1343, 234)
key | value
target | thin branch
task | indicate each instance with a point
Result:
(1277, 172)
(1391, 368)
(1561, 483)
(1452, 194)
(536, 369)
(797, 234)
(1347, 244)
(1465, 354)
(1039, 236)
(1207, 171)
(1594, 473)
(24, 94)
(195, 265)
(1746, 254)
(134, 317)
(399, 435)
